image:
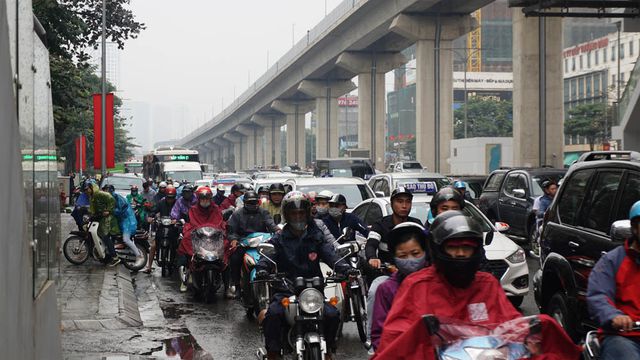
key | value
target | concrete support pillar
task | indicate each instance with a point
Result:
(371, 69)
(252, 134)
(326, 94)
(271, 149)
(526, 90)
(223, 153)
(433, 135)
(295, 111)
(237, 150)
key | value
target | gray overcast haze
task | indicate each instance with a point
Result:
(195, 52)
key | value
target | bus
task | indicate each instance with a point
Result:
(174, 163)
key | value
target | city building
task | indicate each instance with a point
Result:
(112, 64)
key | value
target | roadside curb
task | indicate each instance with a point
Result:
(128, 312)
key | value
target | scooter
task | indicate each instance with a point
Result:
(204, 275)
(166, 235)
(252, 294)
(354, 307)
(87, 243)
(592, 343)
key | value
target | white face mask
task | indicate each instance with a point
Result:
(205, 203)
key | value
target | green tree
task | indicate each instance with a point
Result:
(74, 26)
(588, 120)
(486, 118)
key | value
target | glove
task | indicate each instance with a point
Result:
(262, 275)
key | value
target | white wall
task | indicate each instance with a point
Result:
(468, 156)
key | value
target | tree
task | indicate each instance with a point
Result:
(588, 120)
(486, 118)
(74, 26)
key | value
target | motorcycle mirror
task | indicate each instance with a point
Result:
(182, 221)
(226, 215)
(432, 323)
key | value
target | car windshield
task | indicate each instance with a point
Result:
(420, 210)
(122, 182)
(354, 193)
(440, 182)
(190, 176)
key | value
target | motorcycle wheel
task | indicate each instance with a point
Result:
(209, 290)
(246, 292)
(138, 264)
(164, 262)
(360, 316)
(313, 352)
(76, 250)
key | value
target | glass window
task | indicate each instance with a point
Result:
(621, 51)
(573, 63)
(631, 48)
(613, 80)
(581, 88)
(630, 194)
(581, 64)
(600, 201)
(574, 89)
(613, 53)
(566, 65)
(588, 81)
(361, 212)
(572, 196)
(355, 193)
(596, 85)
(604, 55)
(373, 214)
(589, 60)
(596, 57)
(514, 181)
(493, 184)
(566, 91)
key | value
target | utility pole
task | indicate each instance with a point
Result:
(103, 123)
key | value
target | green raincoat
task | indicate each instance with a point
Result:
(100, 202)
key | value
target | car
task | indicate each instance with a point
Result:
(508, 196)
(506, 260)
(344, 167)
(577, 230)
(385, 183)
(354, 189)
(122, 183)
(407, 166)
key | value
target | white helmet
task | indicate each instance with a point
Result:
(162, 184)
(324, 194)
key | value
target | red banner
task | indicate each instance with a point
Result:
(97, 132)
(81, 153)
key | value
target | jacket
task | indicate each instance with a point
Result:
(384, 299)
(181, 208)
(163, 208)
(428, 292)
(222, 201)
(149, 195)
(125, 215)
(541, 204)
(243, 223)
(272, 209)
(376, 247)
(301, 256)
(614, 287)
(347, 220)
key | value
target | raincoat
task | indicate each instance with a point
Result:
(139, 201)
(200, 217)
(125, 215)
(100, 202)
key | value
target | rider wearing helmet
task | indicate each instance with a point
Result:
(613, 294)
(204, 213)
(322, 202)
(237, 190)
(299, 248)
(461, 186)
(101, 205)
(127, 221)
(542, 203)
(162, 187)
(184, 203)
(455, 288)
(263, 193)
(222, 201)
(338, 219)
(147, 192)
(163, 208)
(446, 199)
(250, 218)
(136, 200)
(273, 206)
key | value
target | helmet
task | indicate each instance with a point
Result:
(295, 200)
(276, 188)
(634, 212)
(170, 192)
(397, 235)
(459, 185)
(163, 184)
(324, 195)
(263, 189)
(547, 183)
(187, 188)
(134, 188)
(204, 192)
(338, 199)
(184, 181)
(110, 188)
(238, 187)
(251, 196)
(221, 187)
(401, 190)
(445, 194)
(452, 225)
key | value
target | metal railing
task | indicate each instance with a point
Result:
(330, 21)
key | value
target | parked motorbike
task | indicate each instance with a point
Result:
(87, 243)
(250, 292)
(204, 275)
(592, 342)
(166, 235)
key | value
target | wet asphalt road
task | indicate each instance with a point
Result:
(223, 329)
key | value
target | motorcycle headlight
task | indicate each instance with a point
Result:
(166, 222)
(517, 257)
(207, 255)
(311, 300)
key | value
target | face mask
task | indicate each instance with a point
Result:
(322, 210)
(298, 226)
(335, 212)
(410, 265)
(134, 193)
(187, 196)
(205, 203)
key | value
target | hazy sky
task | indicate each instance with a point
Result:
(194, 52)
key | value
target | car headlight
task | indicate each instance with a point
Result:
(311, 300)
(517, 257)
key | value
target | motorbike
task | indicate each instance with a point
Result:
(591, 349)
(138, 208)
(85, 243)
(204, 275)
(253, 295)
(166, 236)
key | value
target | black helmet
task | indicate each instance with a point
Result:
(110, 188)
(251, 196)
(445, 194)
(338, 199)
(547, 183)
(236, 187)
(401, 190)
(450, 225)
(295, 200)
(263, 189)
(276, 188)
(187, 188)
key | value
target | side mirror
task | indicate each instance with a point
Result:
(226, 214)
(620, 230)
(519, 193)
(379, 194)
(501, 226)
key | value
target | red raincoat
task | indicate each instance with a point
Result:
(200, 217)
(427, 292)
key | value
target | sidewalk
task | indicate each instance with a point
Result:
(106, 315)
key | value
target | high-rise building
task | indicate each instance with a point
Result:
(112, 65)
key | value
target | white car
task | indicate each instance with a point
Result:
(506, 260)
(386, 183)
(354, 189)
(407, 166)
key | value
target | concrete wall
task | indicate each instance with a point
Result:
(29, 316)
(472, 156)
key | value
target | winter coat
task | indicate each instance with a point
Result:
(243, 223)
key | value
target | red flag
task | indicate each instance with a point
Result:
(97, 132)
(81, 153)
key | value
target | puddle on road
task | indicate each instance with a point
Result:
(172, 311)
(183, 347)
